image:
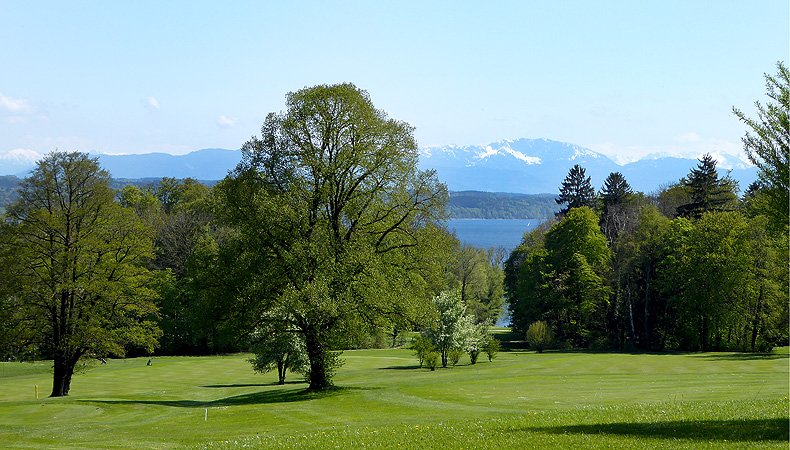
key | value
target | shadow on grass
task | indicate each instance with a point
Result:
(255, 398)
(777, 429)
(410, 367)
(741, 356)
(250, 385)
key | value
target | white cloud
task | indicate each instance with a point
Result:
(16, 106)
(226, 122)
(152, 103)
(16, 110)
(688, 137)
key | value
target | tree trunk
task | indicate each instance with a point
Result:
(281, 372)
(316, 353)
(63, 366)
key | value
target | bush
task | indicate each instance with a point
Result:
(431, 360)
(539, 336)
(473, 355)
(421, 346)
(454, 355)
(492, 348)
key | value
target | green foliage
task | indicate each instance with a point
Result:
(492, 348)
(539, 336)
(454, 356)
(422, 346)
(278, 349)
(768, 147)
(432, 360)
(73, 259)
(500, 205)
(478, 274)
(334, 226)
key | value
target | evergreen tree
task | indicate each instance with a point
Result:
(615, 191)
(707, 192)
(576, 191)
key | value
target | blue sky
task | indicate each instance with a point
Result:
(626, 78)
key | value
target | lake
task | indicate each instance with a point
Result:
(492, 232)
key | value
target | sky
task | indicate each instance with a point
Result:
(625, 78)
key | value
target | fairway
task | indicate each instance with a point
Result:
(520, 400)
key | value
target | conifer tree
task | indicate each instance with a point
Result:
(707, 192)
(576, 191)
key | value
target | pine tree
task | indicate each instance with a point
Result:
(706, 190)
(576, 191)
(615, 190)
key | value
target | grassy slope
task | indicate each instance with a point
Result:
(555, 398)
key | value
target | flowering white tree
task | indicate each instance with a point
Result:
(453, 328)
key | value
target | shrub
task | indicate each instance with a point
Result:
(454, 355)
(432, 359)
(492, 348)
(473, 355)
(421, 346)
(539, 336)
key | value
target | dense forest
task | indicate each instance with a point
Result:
(499, 205)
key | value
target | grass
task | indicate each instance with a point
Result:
(520, 400)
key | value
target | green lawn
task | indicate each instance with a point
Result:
(521, 400)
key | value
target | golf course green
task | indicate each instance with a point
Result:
(522, 399)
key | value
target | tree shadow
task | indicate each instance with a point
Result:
(255, 398)
(741, 356)
(274, 383)
(409, 367)
(776, 429)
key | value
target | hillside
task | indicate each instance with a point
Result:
(499, 205)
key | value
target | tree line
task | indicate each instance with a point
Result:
(693, 266)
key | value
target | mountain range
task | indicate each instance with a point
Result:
(527, 166)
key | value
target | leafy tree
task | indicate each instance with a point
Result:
(279, 349)
(492, 347)
(576, 191)
(477, 272)
(539, 336)
(453, 328)
(75, 257)
(768, 145)
(707, 192)
(335, 226)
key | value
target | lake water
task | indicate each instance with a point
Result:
(492, 233)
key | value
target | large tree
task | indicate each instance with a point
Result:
(74, 257)
(337, 229)
(576, 191)
(768, 146)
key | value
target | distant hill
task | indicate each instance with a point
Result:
(499, 205)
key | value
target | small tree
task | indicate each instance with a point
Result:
(422, 346)
(478, 342)
(539, 336)
(283, 350)
(492, 348)
(454, 328)
(432, 360)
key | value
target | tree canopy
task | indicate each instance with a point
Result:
(74, 258)
(576, 191)
(336, 229)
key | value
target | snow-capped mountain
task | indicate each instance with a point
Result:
(18, 160)
(524, 166)
(532, 166)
